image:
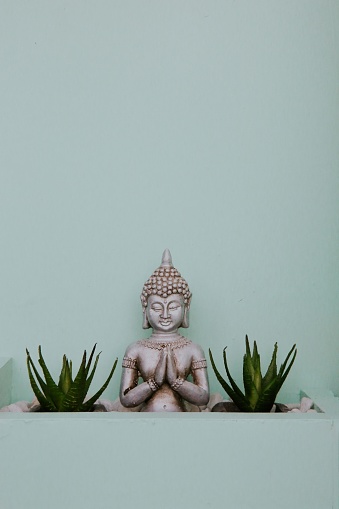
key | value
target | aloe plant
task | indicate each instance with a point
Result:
(69, 394)
(260, 391)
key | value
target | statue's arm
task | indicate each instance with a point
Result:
(200, 379)
(196, 392)
(132, 394)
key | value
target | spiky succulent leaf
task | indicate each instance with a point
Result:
(283, 366)
(61, 383)
(248, 355)
(87, 406)
(247, 375)
(248, 348)
(257, 369)
(251, 391)
(65, 380)
(235, 387)
(46, 404)
(47, 400)
(55, 392)
(90, 378)
(255, 358)
(42, 383)
(271, 372)
(251, 370)
(237, 396)
(284, 375)
(44, 401)
(267, 397)
(77, 391)
(90, 359)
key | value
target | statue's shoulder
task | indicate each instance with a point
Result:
(197, 351)
(133, 349)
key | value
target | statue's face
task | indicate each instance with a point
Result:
(165, 314)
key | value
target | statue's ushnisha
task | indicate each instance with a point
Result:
(166, 359)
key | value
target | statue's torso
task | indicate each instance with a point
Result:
(141, 361)
(165, 399)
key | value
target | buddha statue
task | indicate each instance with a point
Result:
(164, 362)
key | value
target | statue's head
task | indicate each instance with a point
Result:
(166, 298)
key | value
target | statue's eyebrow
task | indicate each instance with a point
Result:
(175, 302)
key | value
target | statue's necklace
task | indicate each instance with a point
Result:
(157, 344)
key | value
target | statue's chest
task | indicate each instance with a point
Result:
(149, 359)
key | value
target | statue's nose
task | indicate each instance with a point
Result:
(165, 312)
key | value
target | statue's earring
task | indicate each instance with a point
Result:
(145, 323)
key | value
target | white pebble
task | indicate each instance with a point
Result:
(305, 404)
(290, 406)
(14, 408)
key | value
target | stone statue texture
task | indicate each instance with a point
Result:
(166, 372)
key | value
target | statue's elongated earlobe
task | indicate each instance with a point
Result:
(145, 323)
(185, 320)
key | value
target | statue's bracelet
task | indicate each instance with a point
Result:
(178, 383)
(153, 384)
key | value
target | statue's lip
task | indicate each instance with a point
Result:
(166, 322)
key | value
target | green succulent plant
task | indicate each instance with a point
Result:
(260, 391)
(69, 394)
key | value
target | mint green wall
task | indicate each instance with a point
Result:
(209, 127)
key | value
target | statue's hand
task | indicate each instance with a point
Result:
(172, 372)
(160, 370)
